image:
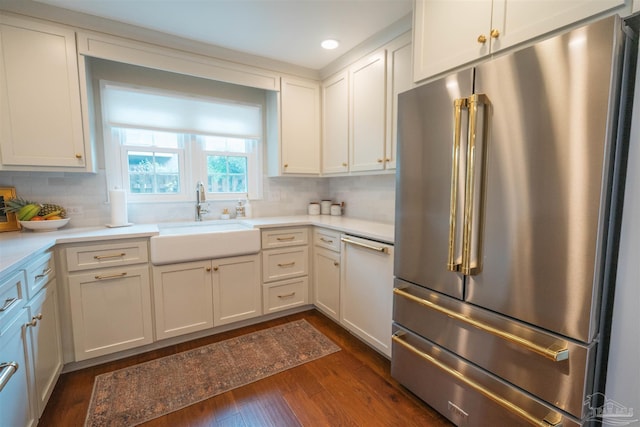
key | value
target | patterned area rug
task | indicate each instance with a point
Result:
(139, 393)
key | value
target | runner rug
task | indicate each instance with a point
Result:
(139, 393)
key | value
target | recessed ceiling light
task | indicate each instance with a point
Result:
(330, 44)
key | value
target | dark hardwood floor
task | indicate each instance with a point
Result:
(352, 387)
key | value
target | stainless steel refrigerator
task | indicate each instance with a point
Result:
(508, 205)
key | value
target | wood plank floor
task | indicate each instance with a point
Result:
(352, 387)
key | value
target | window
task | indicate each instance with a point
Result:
(158, 145)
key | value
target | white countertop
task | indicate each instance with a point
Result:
(17, 246)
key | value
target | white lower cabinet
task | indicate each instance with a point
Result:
(111, 310)
(326, 272)
(366, 291)
(199, 295)
(237, 294)
(285, 268)
(45, 345)
(183, 298)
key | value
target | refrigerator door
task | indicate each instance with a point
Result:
(548, 168)
(423, 183)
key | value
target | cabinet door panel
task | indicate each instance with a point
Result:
(46, 348)
(40, 114)
(110, 310)
(300, 127)
(522, 20)
(183, 298)
(368, 112)
(335, 142)
(446, 34)
(326, 270)
(237, 292)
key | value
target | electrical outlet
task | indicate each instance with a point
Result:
(74, 210)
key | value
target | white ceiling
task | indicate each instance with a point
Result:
(283, 30)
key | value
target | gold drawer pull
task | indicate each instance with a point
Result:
(7, 369)
(45, 273)
(111, 276)
(326, 240)
(551, 419)
(287, 295)
(287, 264)
(99, 257)
(285, 239)
(8, 303)
(556, 352)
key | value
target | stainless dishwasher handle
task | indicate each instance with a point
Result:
(556, 352)
(7, 370)
(552, 419)
(381, 249)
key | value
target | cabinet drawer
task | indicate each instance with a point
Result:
(285, 294)
(107, 255)
(328, 239)
(284, 263)
(277, 238)
(39, 273)
(12, 298)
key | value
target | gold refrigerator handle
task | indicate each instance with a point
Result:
(470, 185)
(555, 352)
(552, 419)
(458, 105)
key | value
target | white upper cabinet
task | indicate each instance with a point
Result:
(40, 106)
(368, 112)
(450, 34)
(360, 110)
(299, 127)
(335, 124)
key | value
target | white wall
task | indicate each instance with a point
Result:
(366, 197)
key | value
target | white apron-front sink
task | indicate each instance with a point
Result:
(191, 241)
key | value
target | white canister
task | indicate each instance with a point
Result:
(325, 207)
(336, 209)
(314, 208)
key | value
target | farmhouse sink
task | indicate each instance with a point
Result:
(190, 241)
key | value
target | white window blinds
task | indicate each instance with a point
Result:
(131, 107)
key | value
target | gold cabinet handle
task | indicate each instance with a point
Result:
(482, 39)
(286, 165)
(216, 268)
(7, 369)
(336, 263)
(78, 156)
(380, 160)
(551, 419)
(99, 257)
(287, 264)
(344, 164)
(326, 240)
(208, 269)
(44, 273)
(110, 276)
(287, 295)
(494, 33)
(285, 239)
(556, 352)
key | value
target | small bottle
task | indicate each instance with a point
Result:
(241, 209)
(247, 208)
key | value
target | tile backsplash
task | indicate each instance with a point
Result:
(85, 195)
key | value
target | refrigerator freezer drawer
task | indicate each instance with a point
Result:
(465, 394)
(548, 366)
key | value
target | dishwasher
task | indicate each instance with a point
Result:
(366, 290)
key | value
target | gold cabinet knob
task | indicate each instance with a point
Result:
(215, 268)
(380, 160)
(336, 263)
(344, 165)
(482, 39)
(208, 269)
(494, 33)
(286, 165)
(78, 156)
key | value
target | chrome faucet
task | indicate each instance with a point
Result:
(200, 198)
